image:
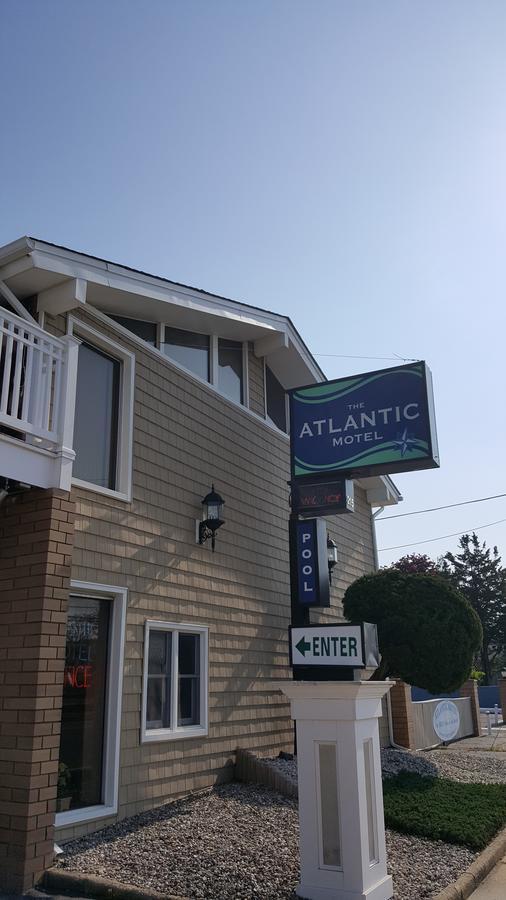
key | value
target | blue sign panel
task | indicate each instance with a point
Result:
(374, 423)
(312, 564)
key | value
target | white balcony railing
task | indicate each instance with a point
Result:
(37, 396)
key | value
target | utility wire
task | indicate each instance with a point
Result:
(342, 356)
(443, 536)
(417, 512)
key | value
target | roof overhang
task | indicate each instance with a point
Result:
(64, 279)
(381, 491)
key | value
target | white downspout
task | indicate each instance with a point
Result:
(374, 541)
(391, 724)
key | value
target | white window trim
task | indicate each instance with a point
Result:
(126, 409)
(116, 644)
(215, 369)
(245, 374)
(182, 732)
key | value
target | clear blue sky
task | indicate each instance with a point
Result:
(340, 162)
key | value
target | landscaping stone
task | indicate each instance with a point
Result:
(239, 842)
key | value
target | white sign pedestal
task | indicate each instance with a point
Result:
(342, 832)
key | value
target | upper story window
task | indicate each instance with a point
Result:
(103, 420)
(144, 330)
(189, 349)
(230, 369)
(275, 400)
(221, 362)
(96, 417)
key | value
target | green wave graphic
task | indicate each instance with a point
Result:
(385, 453)
(323, 390)
(349, 386)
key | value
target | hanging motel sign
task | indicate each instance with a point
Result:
(370, 424)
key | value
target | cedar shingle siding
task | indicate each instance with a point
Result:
(187, 436)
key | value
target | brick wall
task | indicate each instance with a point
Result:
(402, 715)
(470, 689)
(36, 534)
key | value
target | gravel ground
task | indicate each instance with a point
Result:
(421, 868)
(459, 765)
(234, 843)
(239, 842)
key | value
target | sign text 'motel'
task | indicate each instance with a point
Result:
(377, 422)
(309, 540)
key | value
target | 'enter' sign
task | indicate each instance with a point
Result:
(327, 645)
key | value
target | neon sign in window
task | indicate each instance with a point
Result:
(83, 710)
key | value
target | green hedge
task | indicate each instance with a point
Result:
(439, 809)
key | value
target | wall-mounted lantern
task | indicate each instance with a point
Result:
(212, 506)
(331, 555)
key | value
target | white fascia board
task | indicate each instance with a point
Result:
(16, 249)
(69, 264)
(16, 266)
(72, 265)
(302, 350)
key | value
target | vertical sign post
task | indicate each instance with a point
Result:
(342, 829)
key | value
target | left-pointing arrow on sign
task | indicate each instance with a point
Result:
(302, 646)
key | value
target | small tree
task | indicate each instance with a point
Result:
(416, 564)
(428, 633)
(477, 573)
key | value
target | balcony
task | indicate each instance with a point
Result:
(37, 397)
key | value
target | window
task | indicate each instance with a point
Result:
(103, 421)
(175, 681)
(96, 417)
(88, 770)
(230, 369)
(275, 400)
(189, 349)
(144, 330)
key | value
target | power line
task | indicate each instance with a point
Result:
(417, 512)
(342, 356)
(443, 536)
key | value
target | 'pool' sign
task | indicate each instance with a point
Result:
(374, 423)
(310, 540)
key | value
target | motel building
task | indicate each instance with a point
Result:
(134, 658)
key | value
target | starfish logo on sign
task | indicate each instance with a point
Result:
(404, 443)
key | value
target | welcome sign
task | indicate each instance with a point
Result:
(375, 423)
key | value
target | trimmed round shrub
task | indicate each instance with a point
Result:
(428, 633)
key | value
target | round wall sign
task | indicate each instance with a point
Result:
(446, 720)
